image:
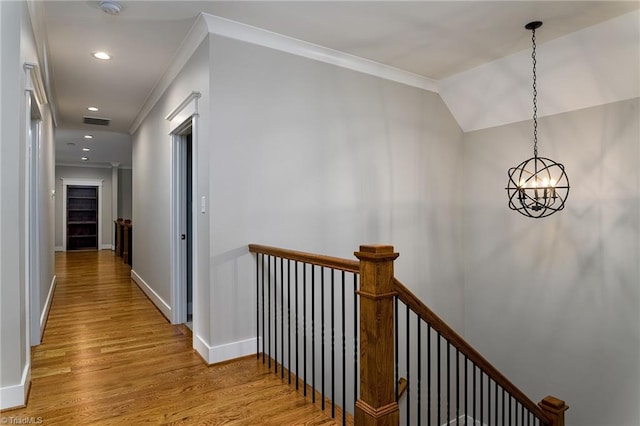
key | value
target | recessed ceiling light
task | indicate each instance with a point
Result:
(86, 149)
(101, 55)
(88, 136)
(71, 143)
(94, 109)
(85, 158)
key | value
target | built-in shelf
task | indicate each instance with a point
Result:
(82, 217)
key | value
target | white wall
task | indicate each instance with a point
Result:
(17, 46)
(313, 157)
(555, 302)
(97, 173)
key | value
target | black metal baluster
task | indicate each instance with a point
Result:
(355, 337)
(313, 334)
(495, 408)
(396, 354)
(264, 336)
(344, 353)
(466, 389)
(439, 371)
(448, 382)
(269, 307)
(281, 318)
(418, 321)
(474, 392)
(488, 400)
(275, 312)
(481, 396)
(322, 356)
(429, 374)
(289, 317)
(257, 305)
(297, 333)
(457, 386)
(333, 346)
(502, 410)
(408, 355)
(304, 327)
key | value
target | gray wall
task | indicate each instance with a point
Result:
(555, 302)
(152, 187)
(17, 46)
(124, 193)
(313, 157)
(104, 174)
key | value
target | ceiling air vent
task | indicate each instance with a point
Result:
(95, 120)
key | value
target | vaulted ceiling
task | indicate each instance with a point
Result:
(445, 41)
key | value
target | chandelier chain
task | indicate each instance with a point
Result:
(535, 95)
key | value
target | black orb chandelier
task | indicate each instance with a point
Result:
(537, 187)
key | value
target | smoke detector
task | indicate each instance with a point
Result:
(110, 7)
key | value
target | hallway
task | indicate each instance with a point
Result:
(109, 357)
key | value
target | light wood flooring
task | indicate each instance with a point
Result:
(108, 357)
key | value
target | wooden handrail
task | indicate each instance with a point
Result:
(456, 340)
(376, 405)
(311, 258)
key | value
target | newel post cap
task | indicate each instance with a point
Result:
(376, 253)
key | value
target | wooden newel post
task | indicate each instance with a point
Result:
(554, 408)
(377, 403)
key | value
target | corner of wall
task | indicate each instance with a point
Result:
(15, 396)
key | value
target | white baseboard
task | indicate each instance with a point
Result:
(164, 307)
(106, 247)
(59, 248)
(15, 396)
(224, 352)
(47, 305)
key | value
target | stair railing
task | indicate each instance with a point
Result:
(447, 382)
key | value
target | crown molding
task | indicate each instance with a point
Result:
(196, 35)
(35, 9)
(210, 24)
(261, 37)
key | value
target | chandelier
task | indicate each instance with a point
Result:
(537, 187)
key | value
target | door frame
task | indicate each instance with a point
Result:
(80, 182)
(181, 119)
(34, 98)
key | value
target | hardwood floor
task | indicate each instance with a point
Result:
(109, 357)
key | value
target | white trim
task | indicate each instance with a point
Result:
(196, 35)
(89, 165)
(182, 112)
(47, 305)
(261, 37)
(184, 116)
(15, 396)
(34, 83)
(106, 247)
(155, 297)
(59, 248)
(211, 24)
(35, 96)
(80, 182)
(224, 352)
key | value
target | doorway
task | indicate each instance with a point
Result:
(183, 124)
(183, 224)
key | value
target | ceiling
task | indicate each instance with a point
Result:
(429, 38)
